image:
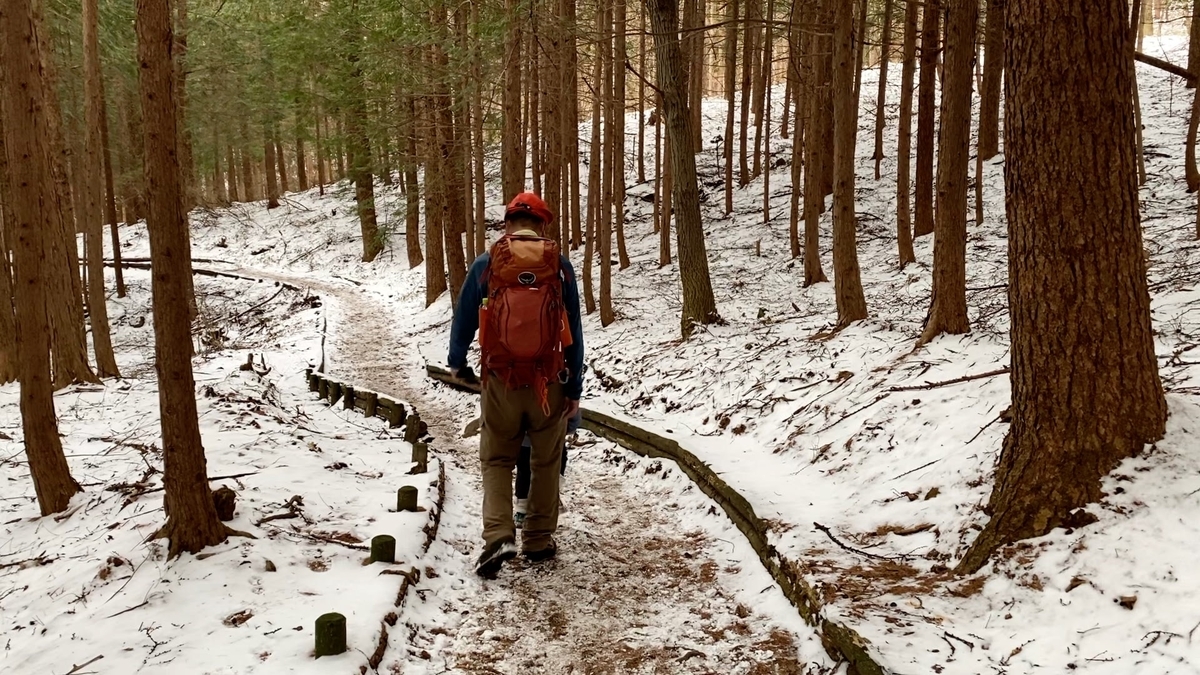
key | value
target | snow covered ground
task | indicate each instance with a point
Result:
(811, 431)
(314, 485)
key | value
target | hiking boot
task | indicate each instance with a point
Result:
(494, 556)
(542, 555)
(519, 513)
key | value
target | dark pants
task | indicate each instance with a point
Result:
(524, 474)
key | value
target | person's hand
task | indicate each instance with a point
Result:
(570, 408)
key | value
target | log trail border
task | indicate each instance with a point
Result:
(840, 641)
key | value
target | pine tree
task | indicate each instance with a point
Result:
(699, 305)
(851, 304)
(29, 181)
(1086, 392)
(926, 109)
(993, 72)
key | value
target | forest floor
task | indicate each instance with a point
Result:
(854, 433)
(873, 471)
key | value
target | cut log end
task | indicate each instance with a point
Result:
(406, 498)
(330, 634)
(383, 549)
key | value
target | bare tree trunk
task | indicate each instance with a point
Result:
(281, 160)
(604, 215)
(668, 186)
(618, 147)
(360, 158)
(948, 310)
(192, 522)
(817, 131)
(699, 305)
(596, 200)
(731, 33)
(1194, 42)
(110, 203)
(881, 97)
(412, 236)
(1138, 10)
(301, 169)
(218, 175)
(186, 161)
(747, 95)
(29, 223)
(641, 154)
(477, 149)
(1086, 392)
(851, 303)
(513, 149)
(93, 203)
(795, 98)
(269, 164)
(927, 103)
(9, 358)
(993, 73)
(860, 42)
(763, 104)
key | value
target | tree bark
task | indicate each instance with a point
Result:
(110, 202)
(30, 187)
(512, 156)
(361, 170)
(948, 311)
(269, 168)
(731, 34)
(9, 358)
(301, 169)
(993, 72)
(817, 133)
(747, 95)
(1194, 42)
(192, 522)
(620, 21)
(1086, 392)
(881, 97)
(926, 105)
(851, 303)
(699, 305)
(186, 160)
(231, 174)
(93, 202)
(795, 98)
(412, 223)
(281, 161)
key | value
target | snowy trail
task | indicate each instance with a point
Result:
(649, 579)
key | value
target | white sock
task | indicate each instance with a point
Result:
(522, 505)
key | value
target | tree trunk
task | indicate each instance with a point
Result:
(281, 161)
(699, 305)
(596, 201)
(110, 202)
(608, 202)
(269, 168)
(817, 132)
(1139, 146)
(412, 223)
(93, 202)
(359, 144)
(9, 358)
(948, 311)
(618, 147)
(860, 42)
(512, 156)
(641, 154)
(1194, 42)
(1086, 392)
(851, 303)
(186, 161)
(435, 245)
(993, 72)
(301, 169)
(747, 95)
(763, 140)
(881, 97)
(231, 174)
(926, 104)
(319, 153)
(30, 187)
(192, 522)
(668, 185)
(795, 98)
(731, 33)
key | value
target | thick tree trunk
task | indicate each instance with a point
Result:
(93, 202)
(993, 72)
(30, 187)
(881, 97)
(412, 223)
(1086, 392)
(192, 522)
(8, 321)
(948, 311)
(435, 245)
(851, 303)
(926, 105)
(699, 305)
(361, 172)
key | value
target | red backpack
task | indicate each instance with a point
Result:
(522, 325)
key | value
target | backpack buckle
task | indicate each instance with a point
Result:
(564, 375)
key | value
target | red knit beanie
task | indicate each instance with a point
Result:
(528, 202)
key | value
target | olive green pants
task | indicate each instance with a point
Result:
(508, 414)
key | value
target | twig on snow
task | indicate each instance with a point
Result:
(81, 666)
(957, 380)
(846, 547)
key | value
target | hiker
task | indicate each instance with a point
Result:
(523, 299)
(523, 474)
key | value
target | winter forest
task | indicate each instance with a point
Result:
(888, 318)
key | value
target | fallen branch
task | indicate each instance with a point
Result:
(958, 380)
(846, 547)
(81, 666)
(1165, 65)
(126, 611)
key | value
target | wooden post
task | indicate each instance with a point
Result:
(383, 548)
(335, 392)
(420, 455)
(323, 388)
(412, 428)
(313, 379)
(348, 397)
(372, 404)
(406, 498)
(331, 634)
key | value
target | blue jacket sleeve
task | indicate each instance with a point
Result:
(466, 315)
(574, 353)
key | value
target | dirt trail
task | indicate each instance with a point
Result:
(639, 586)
